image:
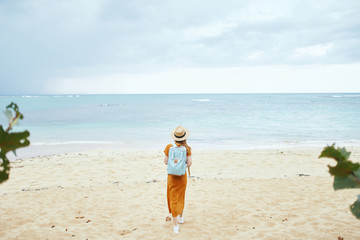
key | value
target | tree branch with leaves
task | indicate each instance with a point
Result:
(346, 173)
(11, 141)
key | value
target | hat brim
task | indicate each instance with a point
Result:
(187, 133)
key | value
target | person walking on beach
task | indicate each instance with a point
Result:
(177, 176)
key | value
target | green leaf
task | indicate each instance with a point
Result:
(13, 141)
(339, 154)
(4, 168)
(348, 182)
(355, 208)
(9, 115)
(343, 168)
(15, 107)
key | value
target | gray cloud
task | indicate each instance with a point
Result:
(43, 40)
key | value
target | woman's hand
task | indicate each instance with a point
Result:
(189, 161)
(166, 160)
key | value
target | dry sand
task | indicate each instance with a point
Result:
(238, 194)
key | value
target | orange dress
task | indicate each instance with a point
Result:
(176, 187)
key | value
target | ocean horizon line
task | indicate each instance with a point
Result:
(213, 93)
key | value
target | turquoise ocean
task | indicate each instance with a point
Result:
(59, 123)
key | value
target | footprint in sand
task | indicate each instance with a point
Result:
(124, 232)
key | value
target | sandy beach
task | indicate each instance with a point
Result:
(231, 194)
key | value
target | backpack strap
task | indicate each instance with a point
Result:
(172, 152)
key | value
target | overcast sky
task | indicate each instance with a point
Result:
(187, 46)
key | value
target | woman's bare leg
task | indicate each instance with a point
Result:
(181, 220)
(176, 224)
(175, 221)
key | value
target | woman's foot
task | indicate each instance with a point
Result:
(180, 219)
(176, 229)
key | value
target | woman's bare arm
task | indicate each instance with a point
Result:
(189, 161)
(166, 160)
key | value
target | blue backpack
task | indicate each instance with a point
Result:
(177, 161)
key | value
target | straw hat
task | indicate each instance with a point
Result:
(180, 133)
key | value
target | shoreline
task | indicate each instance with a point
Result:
(46, 149)
(262, 163)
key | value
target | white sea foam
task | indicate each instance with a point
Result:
(30, 96)
(202, 100)
(70, 143)
(69, 96)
